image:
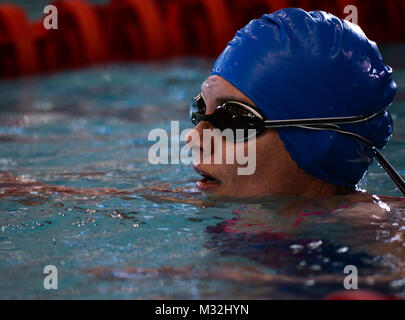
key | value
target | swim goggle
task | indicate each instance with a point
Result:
(236, 115)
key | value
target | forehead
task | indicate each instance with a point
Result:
(216, 88)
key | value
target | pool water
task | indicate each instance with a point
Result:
(122, 228)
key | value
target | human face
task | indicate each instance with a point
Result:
(273, 163)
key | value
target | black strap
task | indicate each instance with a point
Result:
(387, 166)
(321, 121)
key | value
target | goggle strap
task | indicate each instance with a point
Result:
(320, 121)
(385, 164)
(398, 180)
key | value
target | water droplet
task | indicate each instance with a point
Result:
(310, 282)
(342, 250)
(296, 248)
(314, 244)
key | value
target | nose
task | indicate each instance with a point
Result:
(194, 139)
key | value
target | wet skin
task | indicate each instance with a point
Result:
(276, 173)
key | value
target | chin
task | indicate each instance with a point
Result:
(226, 193)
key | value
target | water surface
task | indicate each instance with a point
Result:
(144, 237)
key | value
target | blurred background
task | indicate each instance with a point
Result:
(101, 31)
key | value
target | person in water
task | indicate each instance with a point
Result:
(289, 65)
(309, 67)
(314, 88)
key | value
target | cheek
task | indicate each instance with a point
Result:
(253, 158)
(262, 156)
(229, 163)
(245, 161)
(235, 184)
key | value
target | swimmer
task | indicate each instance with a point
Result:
(277, 75)
(285, 66)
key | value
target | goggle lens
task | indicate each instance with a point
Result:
(230, 115)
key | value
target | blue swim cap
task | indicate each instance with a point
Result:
(295, 64)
